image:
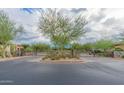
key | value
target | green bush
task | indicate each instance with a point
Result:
(123, 56)
(28, 49)
(54, 55)
(118, 49)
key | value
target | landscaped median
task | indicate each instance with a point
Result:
(63, 61)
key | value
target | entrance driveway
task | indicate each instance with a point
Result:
(29, 71)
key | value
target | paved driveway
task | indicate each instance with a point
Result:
(28, 70)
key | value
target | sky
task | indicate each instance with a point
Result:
(103, 23)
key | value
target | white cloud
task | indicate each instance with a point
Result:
(102, 23)
(30, 23)
(105, 23)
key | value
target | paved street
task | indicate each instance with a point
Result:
(28, 70)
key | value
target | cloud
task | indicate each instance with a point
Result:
(29, 19)
(77, 10)
(102, 23)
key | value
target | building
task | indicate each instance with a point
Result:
(19, 50)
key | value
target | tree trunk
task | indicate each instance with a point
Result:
(72, 52)
(8, 51)
(3, 52)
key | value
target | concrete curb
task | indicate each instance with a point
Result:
(12, 58)
(62, 61)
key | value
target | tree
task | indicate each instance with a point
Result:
(87, 47)
(28, 49)
(25, 46)
(40, 48)
(76, 48)
(7, 31)
(13, 49)
(60, 29)
(103, 44)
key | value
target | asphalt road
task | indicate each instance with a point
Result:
(28, 71)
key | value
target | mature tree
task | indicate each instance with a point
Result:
(13, 49)
(25, 46)
(28, 49)
(87, 47)
(62, 30)
(76, 49)
(103, 44)
(40, 48)
(8, 32)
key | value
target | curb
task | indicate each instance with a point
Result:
(12, 58)
(62, 61)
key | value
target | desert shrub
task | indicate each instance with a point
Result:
(56, 56)
(28, 49)
(118, 49)
(123, 56)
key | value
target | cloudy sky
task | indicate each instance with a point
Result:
(102, 23)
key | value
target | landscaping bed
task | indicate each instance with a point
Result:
(63, 61)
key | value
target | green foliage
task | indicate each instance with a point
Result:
(62, 30)
(25, 45)
(87, 47)
(103, 44)
(118, 49)
(101, 48)
(76, 46)
(28, 49)
(40, 47)
(13, 49)
(7, 30)
(59, 28)
(123, 56)
(36, 48)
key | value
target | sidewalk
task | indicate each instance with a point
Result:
(11, 58)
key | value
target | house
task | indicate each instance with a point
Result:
(19, 50)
